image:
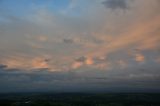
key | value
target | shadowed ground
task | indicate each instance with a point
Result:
(80, 99)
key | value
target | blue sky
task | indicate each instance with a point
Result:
(79, 45)
(20, 8)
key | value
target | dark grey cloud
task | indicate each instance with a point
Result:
(77, 80)
(68, 41)
(115, 4)
(81, 59)
(2, 66)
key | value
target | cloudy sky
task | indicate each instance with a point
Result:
(79, 45)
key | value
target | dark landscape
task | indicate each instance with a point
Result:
(80, 99)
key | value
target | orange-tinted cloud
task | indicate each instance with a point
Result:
(103, 66)
(139, 58)
(26, 62)
(16, 62)
(42, 38)
(158, 60)
(89, 61)
(39, 63)
(137, 34)
(76, 65)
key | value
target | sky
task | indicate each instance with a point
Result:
(80, 45)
